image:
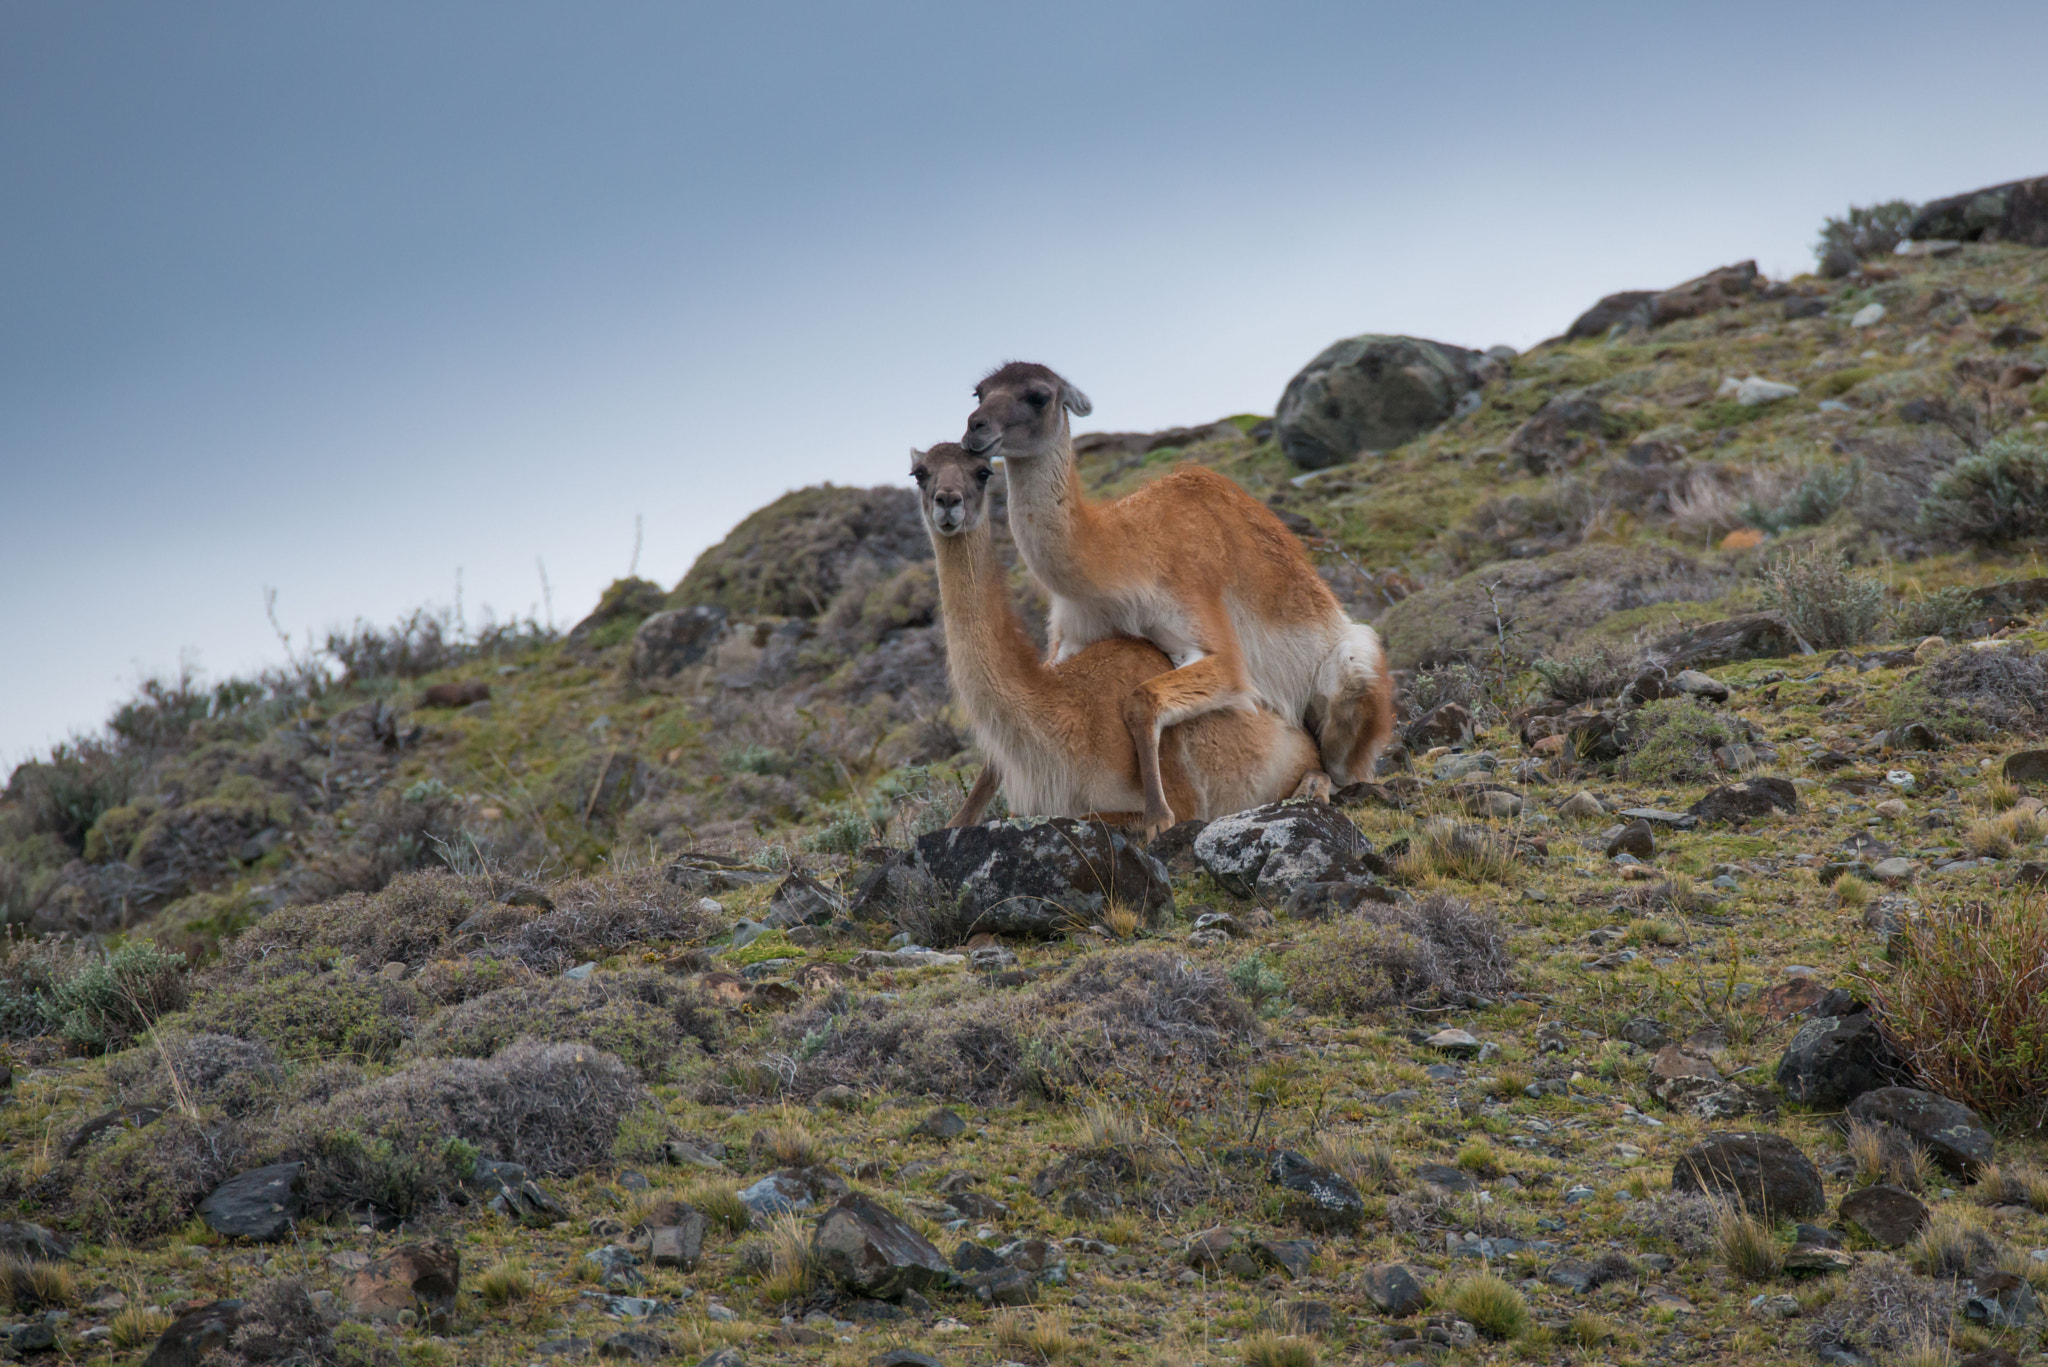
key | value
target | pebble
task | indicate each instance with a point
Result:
(1867, 315)
(1579, 1195)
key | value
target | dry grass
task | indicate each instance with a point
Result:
(1369, 1167)
(1044, 1335)
(1106, 1125)
(2001, 794)
(1968, 1004)
(2012, 1184)
(503, 1282)
(1883, 1154)
(788, 1142)
(2001, 837)
(721, 1204)
(1924, 1351)
(792, 1268)
(1745, 1246)
(1268, 1349)
(1852, 892)
(1445, 849)
(1122, 920)
(1953, 1244)
(1491, 1303)
(138, 1327)
(32, 1285)
(1586, 1330)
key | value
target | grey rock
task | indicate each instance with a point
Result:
(1735, 803)
(1321, 1199)
(870, 1251)
(31, 1243)
(680, 1246)
(1373, 393)
(1037, 878)
(262, 1204)
(1636, 839)
(1445, 724)
(669, 642)
(1886, 1215)
(1628, 310)
(618, 1269)
(1456, 1043)
(2026, 766)
(2002, 1301)
(802, 900)
(2016, 211)
(1394, 1289)
(1755, 636)
(1766, 1173)
(195, 1334)
(1952, 1132)
(1581, 806)
(944, 1123)
(1272, 851)
(904, 1357)
(1835, 1059)
(633, 1346)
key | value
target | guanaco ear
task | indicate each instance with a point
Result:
(1075, 401)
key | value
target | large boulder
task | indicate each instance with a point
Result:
(1709, 293)
(1766, 1173)
(1372, 393)
(1835, 1059)
(1272, 851)
(1886, 1215)
(1320, 1198)
(1749, 800)
(262, 1204)
(2016, 211)
(1628, 310)
(1039, 878)
(869, 1251)
(1753, 636)
(422, 1277)
(790, 558)
(669, 642)
(1550, 599)
(1560, 435)
(1947, 1129)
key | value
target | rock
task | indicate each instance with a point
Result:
(261, 1204)
(1788, 999)
(2026, 766)
(838, 1097)
(1754, 636)
(1698, 685)
(1038, 878)
(1445, 724)
(903, 1357)
(1292, 1257)
(1175, 848)
(1717, 289)
(1271, 851)
(1817, 1258)
(633, 1346)
(1581, 806)
(1749, 800)
(1644, 1033)
(669, 642)
(1886, 1215)
(2002, 1301)
(2013, 335)
(1560, 435)
(455, 694)
(1628, 310)
(1634, 838)
(802, 900)
(1767, 1174)
(31, 1243)
(725, 1357)
(1220, 1250)
(1492, 802)
(1005, 1286)
(1893, 871)
(1373, 393)
(196, 1334)
(1394, 1289)
(680, 1245)
(2016, 211)
(1322, 1200)
(943, 1123)
(1867, 315)
(423, 1278)
(1806, 307)
(1443, 1175)
(712, 873)
(1835, 1059)
(869, 1251)
(787, 1190)
(1755, 391)
(1840, 260)
(618, 1267)
(1456, 1043)
(1673, 1063)
(1947, 1129)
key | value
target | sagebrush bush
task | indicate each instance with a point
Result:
(1968, 1005)
(1974, 695)
(31, 967)
(1598, 671)
(67, 794)
(1882, 1307)
(1994, 497)
(1810, 502)
(648, 1019)
(1945, 612)
(1826, 602)
(107, 1004)
(1435, 949)
(1673, 740)
(1870, 231)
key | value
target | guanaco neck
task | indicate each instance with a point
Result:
(1051, 520)
(995, 667)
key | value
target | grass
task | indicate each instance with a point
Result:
(1045, 1335)
(32, 1285)
(2003, 836)
(1883, 1155)
(1491, 1304)
(138, 1326)
(2014, 1184)
(1852, 892)
(1472, 854)
(1267, 1349)
(792, 1267)
(1952, 1245)
(504, 1282)
(789, 1143)
(721, 1204)
(1745, 1245)
(1369, 1167)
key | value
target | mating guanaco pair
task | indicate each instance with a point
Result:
(1199, 665)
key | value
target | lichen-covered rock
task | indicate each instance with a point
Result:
(869, 1251)
(1835, 1059)
(2016, 211)
(1765, 1172)
(1271, 851)
(1753, 636)
(1318, 1197)
(262, 1204)
(1947, 1129)
(1038, 878)
(791, 558)
(1749, 800)
(1373, 393)
(669, 642)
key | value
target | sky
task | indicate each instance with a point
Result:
(356, 303)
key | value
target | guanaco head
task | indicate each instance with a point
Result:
(1023, 412)
(952, 487)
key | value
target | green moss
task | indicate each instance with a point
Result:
(307, 1015)
(1673, 741)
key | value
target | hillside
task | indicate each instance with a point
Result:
(1717, 810)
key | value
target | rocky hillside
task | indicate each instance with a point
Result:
(1679, 991)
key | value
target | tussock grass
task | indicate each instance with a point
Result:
(1587, 1330)
(1106, 1125)
(138, 1326)
(1445, 849)
(1268, 1349)
(1882, 1154)
(1952, 1245)
(1491, 1303)
(721, 1204)
(1924, 1351)
(2012, 1184)
(2003, 836)
(1122, 920)
(1046, 1335)
(1480, 1159)
(2001, 794)
(792, 1268)
(1745, 1246)
(788, 1142)
(505, 1281)
(1369, 1167)
(1851, 891)
(31, 1284)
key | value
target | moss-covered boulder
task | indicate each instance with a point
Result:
(1545, 601)
(624, 606)
(791, 558)
(1373, 393)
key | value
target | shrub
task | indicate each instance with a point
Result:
(1968, 1005)
(1973, 695)
(1492, 1304)
(1997, 496)
(1444, 848)
(67, 794)
(1883, 1307)
(145, 1183)
(110, 1003)
(1260, 984)
(1811, 502)
(1823, 600)
(1946, 612)
(1599, 671)
(236, 1076)
(1873, 231)
(280, 1324)
(1436, 949)
(1673, 740)
(1686, 1223)
(645, 1018)
(1456, 682)
(31, 967)
(309, 1015)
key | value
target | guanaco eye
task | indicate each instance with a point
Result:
(920, 474)
(1038, 398)
(981, 475)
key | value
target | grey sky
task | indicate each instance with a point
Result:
(341, 299)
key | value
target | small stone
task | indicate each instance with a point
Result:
(1888, 1216)
(1394, 1289)
(1866, 316)
(1456, 1043)
(581, 972)
(1581, 806)
(1633, 839)
(1700, 685)
(838, 1097)
(944, 1123)
(1893, 871)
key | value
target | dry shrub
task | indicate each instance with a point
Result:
(648, 1019)
(1687, 1224)
(450, 982)
(1882, 1306)
(1438, 948)
(1745, 1245)
(236, 1076)
(1824, 600)
(1968, 1005)
(1974, 695)
(309, 1015)
(1118, 1017)
(1673, 740)
(281, 1325)
(145, 1183)
(1601, 670)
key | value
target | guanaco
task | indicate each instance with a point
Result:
(1198, 567)
(1056, 731)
